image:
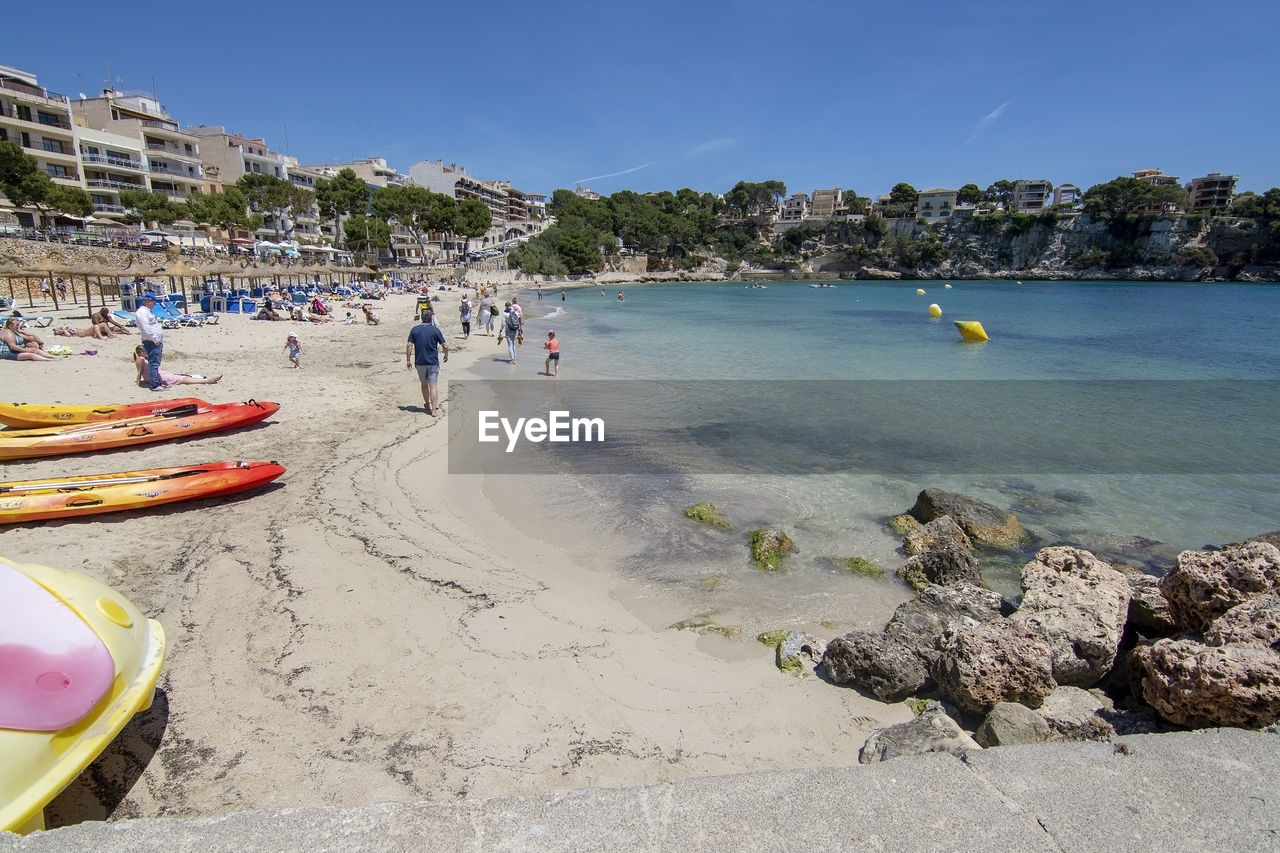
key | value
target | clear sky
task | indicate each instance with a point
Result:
(664, 94)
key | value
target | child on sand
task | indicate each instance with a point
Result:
(294, 347)
(552, 347)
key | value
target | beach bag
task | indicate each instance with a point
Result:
(493, 311)
(513, 321)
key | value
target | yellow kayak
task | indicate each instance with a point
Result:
(78, 660)
(41, 415)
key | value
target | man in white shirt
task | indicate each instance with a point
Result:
(152, 337)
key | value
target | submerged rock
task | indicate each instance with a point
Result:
(707, 513)
(984, 523)
(768, 545)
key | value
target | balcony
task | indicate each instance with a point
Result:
(43, 120)
(160, 124)
(113, 161)
(108, 208)
(98, 183)
(34, 91)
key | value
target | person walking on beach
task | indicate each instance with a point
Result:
(152, 338)
(485, 320)
(512, 325)
(421, 348)
(552, 347)
(464, 316)
(293, 347)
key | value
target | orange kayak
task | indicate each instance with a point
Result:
(38, 415)
(61, 497)
(112, 435)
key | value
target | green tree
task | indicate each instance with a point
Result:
(969, 194)
(24, 183)
(150, 207)
(471, 219)
(1127, 197)
(276, 199)
(1250, 204)
(73, 201)
(227, 210)
(1001, 192)
(904, 194)
(342, 196)
(755, 199)
(366, 232)
(418, 210)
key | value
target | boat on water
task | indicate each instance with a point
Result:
(819, 284)
(37, 415)
(67, 497)
(79, 660)
(110, 435)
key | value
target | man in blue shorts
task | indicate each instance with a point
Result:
(423, 340)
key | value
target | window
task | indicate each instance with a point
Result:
(56, 171)
(48, 118)
(53, 146)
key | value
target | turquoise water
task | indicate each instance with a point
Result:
(883, 330)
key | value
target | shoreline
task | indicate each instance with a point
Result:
(370, 630)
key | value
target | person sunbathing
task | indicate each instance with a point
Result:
(16, 345)
(97, 330)
(167, 379)
(370, 316)
(104, 315)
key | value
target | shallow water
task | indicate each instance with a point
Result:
(1153, 334)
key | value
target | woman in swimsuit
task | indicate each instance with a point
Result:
(16, 347)
(97, 330)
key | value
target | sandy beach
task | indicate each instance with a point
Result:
(369, 629)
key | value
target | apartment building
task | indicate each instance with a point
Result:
(791, 212)
(111, 163)
(1031, 196)
(1156, 177)
(936, 205)
(374, 171)
(1068, 194)
(227, 157)
(511, 210)
(171, 156)
(309, 228)
(825, 203)
(1213, 191)
(39, 122)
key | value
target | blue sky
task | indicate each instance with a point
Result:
(666, 94)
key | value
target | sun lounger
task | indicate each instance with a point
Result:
(124, 317)
(38, 322)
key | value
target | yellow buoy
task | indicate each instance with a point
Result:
(919, 292)
(971, 330)
(934, 310)
(1019, 284)
(947, 286)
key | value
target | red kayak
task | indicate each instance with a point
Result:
(61, 497)
(111, 435)
(40, 415)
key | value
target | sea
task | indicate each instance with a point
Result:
(1143, 428)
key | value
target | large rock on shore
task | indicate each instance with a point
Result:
(1000, 661)
(1079, 605)
(1204, 585)
(1191, 684)
(984, 523)
(1010, 724)
(894, 663)
(932, 731)
(945, 563)
(925, 537)
(884, 666)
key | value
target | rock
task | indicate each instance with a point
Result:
(1254, 621)
(985, 524)
(1009, 724)
(945, 563)
(1204, 585)
(1075, 714)
(1272, 538)
(768, 546)
(925, 536)
(1148, 608)
(1191, 684)
(903, 524)
(982, 665)
(919, 623)
(932, 731)
(1079, 605)
(707, 514)
(797, 652)
(884, 666)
